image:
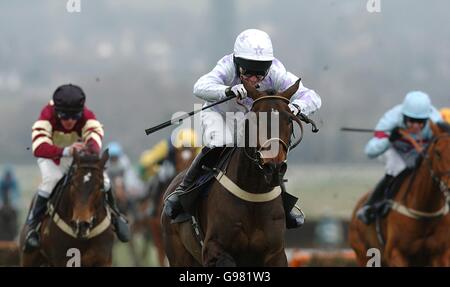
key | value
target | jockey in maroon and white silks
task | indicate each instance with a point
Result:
(64, 126)
(51, 143)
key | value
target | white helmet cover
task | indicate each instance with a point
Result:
(253, 44)
(417, 105)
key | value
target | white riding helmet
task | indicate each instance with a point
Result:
(253, 44)
(417, 105)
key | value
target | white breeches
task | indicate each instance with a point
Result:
(219, 130)
(51, 173)
(394, 163)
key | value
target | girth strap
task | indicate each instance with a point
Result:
(416, 214)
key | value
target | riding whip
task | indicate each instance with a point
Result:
(181, 118)
(347, 129)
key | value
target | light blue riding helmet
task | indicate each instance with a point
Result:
(417, 105)
(114, 149)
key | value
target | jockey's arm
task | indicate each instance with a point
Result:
(211, 87)
(308, 100)
(380, 142)
(41, 137)
(92, 132)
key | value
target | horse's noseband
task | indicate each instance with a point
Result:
(257, 156)
(438, 176)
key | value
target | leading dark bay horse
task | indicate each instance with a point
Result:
(416, 232)
(78, 218)
(242, 219)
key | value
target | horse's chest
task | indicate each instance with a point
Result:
(256, 237)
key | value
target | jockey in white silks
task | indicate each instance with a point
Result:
(396, 151)
(253, 61)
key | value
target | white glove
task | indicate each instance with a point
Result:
(295, 109)
(239, 91)
(68, 150)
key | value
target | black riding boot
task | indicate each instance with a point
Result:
(117, 219)
(172, 205)
(294, 216)
(367, 213)
(32, 239)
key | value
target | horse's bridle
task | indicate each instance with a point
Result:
(89, 167)
(257, 159)
(437, 177)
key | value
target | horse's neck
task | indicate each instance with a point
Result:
(246, 174)
(424, 194)
(62, 203)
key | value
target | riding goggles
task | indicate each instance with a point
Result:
(260, 75)
(67, 116)
(414, 120)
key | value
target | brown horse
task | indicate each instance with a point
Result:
(417, 231)
(242, 218)
(183, 159)
(78, 217)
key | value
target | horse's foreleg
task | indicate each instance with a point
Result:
(395, 258)
(177, 254)
(441, 260)
(215, 256)
(277, 260)
(134, 254)
(32, 259)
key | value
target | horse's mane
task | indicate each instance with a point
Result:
(271, 92)
(89, 158)
(445, 127)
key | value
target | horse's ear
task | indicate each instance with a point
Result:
(435, 128)
(251, 90)
(104, 158)
(291, 90)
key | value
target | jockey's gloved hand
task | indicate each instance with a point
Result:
(395, 134)
(239, 91)
(68, 151)
(295, 109)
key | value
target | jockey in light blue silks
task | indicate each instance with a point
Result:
(253, 61)
(397, 152)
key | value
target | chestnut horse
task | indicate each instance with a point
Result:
(242, 218)
(417, 231)
(78, 217)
